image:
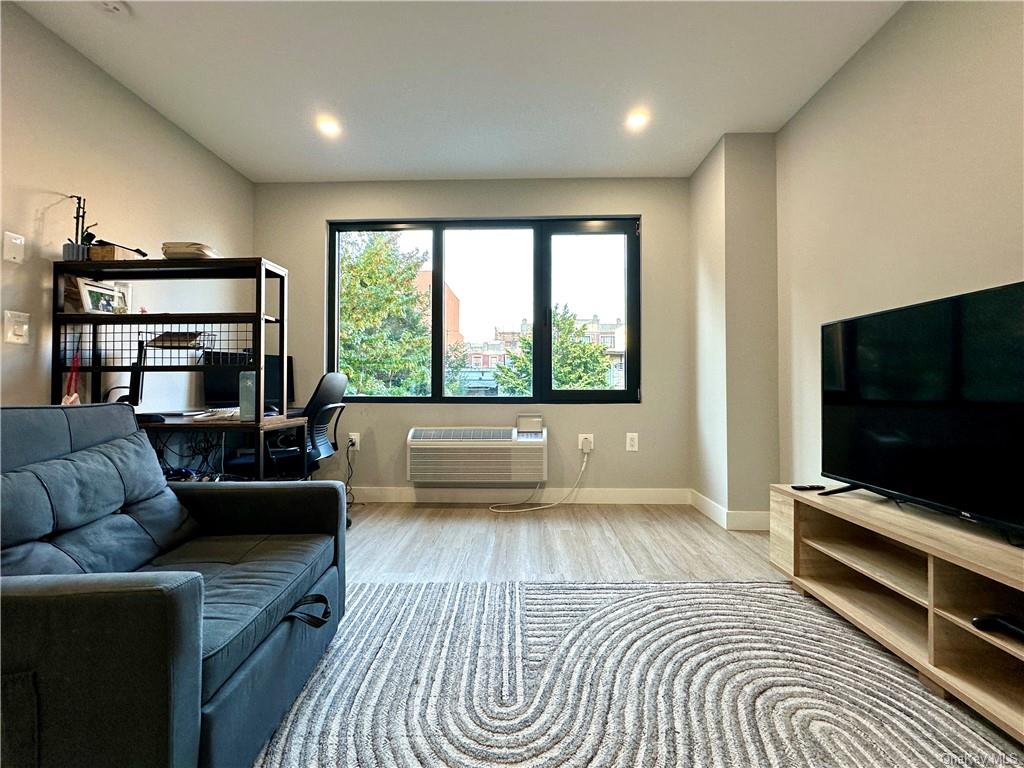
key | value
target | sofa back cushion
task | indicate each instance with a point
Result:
(34, 433)
(102, 509)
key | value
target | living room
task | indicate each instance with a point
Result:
(494, 354)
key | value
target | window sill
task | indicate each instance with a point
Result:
(616, 398)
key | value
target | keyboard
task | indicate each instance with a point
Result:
(224, 414)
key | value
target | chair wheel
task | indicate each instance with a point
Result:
(348, 521)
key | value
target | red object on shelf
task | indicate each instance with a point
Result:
(71, 390)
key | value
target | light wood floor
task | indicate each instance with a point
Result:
(578, 542)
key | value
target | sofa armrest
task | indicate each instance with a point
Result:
(101, 669)
(316, 506)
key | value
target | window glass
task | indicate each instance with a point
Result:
(588, 311)
(384, 312)
(488, 312)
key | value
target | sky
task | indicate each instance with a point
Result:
(491, 272)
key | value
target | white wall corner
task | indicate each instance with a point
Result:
(730, 519)
(710, 508)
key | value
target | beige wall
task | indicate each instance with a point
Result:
(69, 128)
(900, 181)
(751, 309)
(291, 228)
(732, 203)
(709, 453)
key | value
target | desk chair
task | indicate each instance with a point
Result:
(321, 409)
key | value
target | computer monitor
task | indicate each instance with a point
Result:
(220, 385)
(272, 381)
(135, 380)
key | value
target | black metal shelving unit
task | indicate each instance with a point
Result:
(109, 343)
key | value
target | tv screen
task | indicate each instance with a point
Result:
(926, 403)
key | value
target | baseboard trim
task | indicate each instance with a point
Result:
(730, 519)
(748, 520)
(413, 494)
(709, 508)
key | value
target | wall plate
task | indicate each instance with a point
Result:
(14, 247)
(16, 327)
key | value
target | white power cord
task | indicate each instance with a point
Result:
(508, 507)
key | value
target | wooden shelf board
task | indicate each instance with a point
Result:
(957, 541)
(993, 689)
(159, 268)
(891, 620)
(962, 619)
(153, 318)
(269, 423)
(896, 568)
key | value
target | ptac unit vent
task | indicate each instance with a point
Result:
(476, 456)
(461, 433)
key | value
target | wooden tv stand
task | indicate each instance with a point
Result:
(912, 580)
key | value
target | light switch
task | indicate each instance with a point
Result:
(14, 247)
(16, 327)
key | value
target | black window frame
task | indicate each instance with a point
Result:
(544, 229)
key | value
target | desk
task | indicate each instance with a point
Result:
(179, 423)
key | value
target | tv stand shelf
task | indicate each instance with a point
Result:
(912, 580)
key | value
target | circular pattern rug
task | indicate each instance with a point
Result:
(540, 674)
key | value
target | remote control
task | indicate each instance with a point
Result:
(995, 622)
(808, 487)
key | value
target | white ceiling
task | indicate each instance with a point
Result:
(468, 90)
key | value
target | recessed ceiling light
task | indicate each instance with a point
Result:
(328, 126)
(637, 120)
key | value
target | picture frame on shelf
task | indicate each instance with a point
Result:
(123, 298)
(97, 298)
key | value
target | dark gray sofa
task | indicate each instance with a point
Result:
(145, 624)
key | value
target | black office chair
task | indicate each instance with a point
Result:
(319, 411)
(323, 406)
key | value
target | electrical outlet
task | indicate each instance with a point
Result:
(632, 441)
(586, 443)
(14, 247)
(353, 440)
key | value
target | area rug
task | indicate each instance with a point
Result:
(539, 674)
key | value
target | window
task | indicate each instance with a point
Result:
(488, 294)
(383, 319)
(518, 310)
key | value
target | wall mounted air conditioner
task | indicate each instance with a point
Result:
(476, 456)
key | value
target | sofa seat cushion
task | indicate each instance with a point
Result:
(250, 582)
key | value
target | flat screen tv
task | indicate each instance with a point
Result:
(926, 404)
